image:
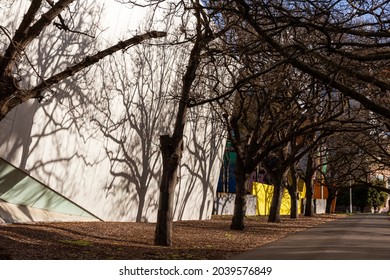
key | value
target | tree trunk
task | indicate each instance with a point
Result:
(239, 213)
(292, 188)
(172, 146)
(309, 204)
(171, 153)
(274, 212)
(294, 205)
(309, 207)
(329, 201)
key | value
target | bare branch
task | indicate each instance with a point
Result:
(26, 33)
(63, 26)
(90, 60)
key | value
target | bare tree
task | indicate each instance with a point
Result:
(354, 154)
(346, 43)
(342, 45)
(272, 124)
(13, 90)
(172, 144)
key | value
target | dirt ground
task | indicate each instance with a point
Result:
(192, 240)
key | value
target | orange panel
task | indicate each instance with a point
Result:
(318, 191)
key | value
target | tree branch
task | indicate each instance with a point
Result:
(26, 33)
(316, 73)
(90, 60)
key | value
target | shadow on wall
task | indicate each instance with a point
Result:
(45, 139)
(52, 52)
(131, 127)
(135, 108)
(224, 204)
(95, 137)
(36, 141)
(205, 146)
(133, 113)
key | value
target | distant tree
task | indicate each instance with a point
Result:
(376, 199)
(372, 194)
(347, 163)
(360, 196)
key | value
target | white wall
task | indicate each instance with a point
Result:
(96, 140)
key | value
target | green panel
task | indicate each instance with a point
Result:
(19, 188)
(9, 177)
(230, 154)
(232, 157)
(25, 192)
(52, 201)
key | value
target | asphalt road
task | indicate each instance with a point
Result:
(356, 237)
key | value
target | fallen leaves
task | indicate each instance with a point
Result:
(211, 239)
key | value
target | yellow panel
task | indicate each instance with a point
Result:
(302, 188)
(285, 207)
(264, 194)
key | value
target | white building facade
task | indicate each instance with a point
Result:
(94, 138)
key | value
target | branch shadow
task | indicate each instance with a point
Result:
(203, 156)
(35, 137)
(95, 137)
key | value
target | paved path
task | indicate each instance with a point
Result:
(357, 237)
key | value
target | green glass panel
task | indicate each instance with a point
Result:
(54, 202)
(19, 188)
(25, 192)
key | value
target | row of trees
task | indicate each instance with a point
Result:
(292, 81)
(316, 71)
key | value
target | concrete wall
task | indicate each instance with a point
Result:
(95, 137)
(320, 206)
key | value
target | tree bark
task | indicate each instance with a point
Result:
(238, 220)
(172, 146)
(329, 201)
(171, 150)
(294, 204)
(294, 194)
(7, 103)
(309, 211)
(274, 212)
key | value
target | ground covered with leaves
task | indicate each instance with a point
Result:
(211, 239)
